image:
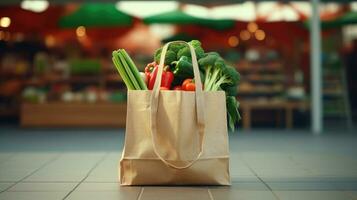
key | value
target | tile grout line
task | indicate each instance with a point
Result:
(33, 172)
(261, 180)
(86, 176)
(210, 194)
(140, 194)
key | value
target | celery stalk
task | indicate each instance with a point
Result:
(122, 71)
(134, 69)
(129, 71)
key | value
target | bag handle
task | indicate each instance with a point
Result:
(199, 105)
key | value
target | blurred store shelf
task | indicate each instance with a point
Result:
(60, 114)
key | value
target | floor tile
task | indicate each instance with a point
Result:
(125, 193)
(281, 173)
(65, 176)
(28, 160)
(5, 185)
(74, 161)
(326, 161)
(332, 172)
(312, 195)
(245, 179)
(269, 160)
(240, 171)
(243, 185)
(11, 175)
(175, 193)
(106, 171)
(234, 194)
(352, 194)
(100, 187)
(5, 156)
(32, 195)
(42, 187)
(309, 185)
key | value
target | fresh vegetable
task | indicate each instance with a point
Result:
(183, 67)
(189, 85)
(150, 67)
(220, 76)
(153, 78)
(215, 74)
(176, 51)
(164, 88)
(144, 77)
(166, 78)
(231, 90)
(232, 112)
(169, 58)
(128, 70)
(185, 51)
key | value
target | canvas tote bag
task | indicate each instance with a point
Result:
(175, 137)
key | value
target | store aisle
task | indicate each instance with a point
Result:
(82, 164)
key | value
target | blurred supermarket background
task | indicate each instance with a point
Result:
(56, 69)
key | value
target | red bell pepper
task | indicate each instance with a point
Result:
(166, 78)
(150, 67)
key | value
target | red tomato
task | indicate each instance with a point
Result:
(190, 87)
(185, 82)
(164, 88)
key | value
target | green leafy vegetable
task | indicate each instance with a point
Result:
(232, 112)
(220, 76)
(169, 58)
(215, 74)
(185, 51)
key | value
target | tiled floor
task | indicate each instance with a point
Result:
(82, 164)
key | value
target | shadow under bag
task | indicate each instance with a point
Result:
(175, 137)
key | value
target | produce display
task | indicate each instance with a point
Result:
(85, 67)
(178, 74)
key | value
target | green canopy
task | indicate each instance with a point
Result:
(181, 18)
(96, 15)
(348, 18)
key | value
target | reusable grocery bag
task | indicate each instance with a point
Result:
(175, 137)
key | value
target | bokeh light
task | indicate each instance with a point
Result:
(244, 35)
(252, 27)
(81, 31)
(5, 22)
(233, 41)
(259, 35)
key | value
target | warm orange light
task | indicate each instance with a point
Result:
(7, 36)
(244, 35)
(260, 35)
(2, 35)
(81, 31)
(252, 27)
(5, 22)
(50, 41)
(233, 41)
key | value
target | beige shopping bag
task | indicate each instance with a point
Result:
(175, 137)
